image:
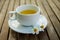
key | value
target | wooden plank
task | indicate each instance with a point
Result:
(33, 37)
(5, 28)
(26, 37)
(33, 2)
(57, 3)
(54, 8)
(28, 1)
(22, 2)
(46, 37)
(3, 12)
(21, 36)
(43, 36)
(53, 18)
(16, 4)
(59, 0)
(51, 32)
(13, 34)
(1, 4)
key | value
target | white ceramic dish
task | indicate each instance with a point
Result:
(15, 25)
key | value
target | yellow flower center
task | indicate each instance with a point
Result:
(35, 30)
(42, 26)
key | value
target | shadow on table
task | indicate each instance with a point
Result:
(21, 36)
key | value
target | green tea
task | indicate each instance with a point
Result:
(28, 12)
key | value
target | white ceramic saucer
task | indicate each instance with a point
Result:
(15, 25)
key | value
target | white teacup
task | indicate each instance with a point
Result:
(29, 19)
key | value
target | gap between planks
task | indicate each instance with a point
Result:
(45, 4)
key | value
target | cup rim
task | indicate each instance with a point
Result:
(28, 5)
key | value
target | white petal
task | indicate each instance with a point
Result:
(42, 30)
(33, 32)
(37, 32)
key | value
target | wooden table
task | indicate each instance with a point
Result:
(49, 8)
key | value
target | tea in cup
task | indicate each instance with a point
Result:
(27, 14)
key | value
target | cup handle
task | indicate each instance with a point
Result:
(12, 13)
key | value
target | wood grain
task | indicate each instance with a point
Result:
(55, 21)
(3, 13)
(50, 29)
(22, 2)
(1, 4)
(43, 36)
(33, 37)
(54, 8)
(49, 8)
(5, 28)
(13, 34)
(28, 1)
(16, 4)
(21, 36)
(57, 3)
(33, 2)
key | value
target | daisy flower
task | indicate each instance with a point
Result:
(42, 27)
(35, 30)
